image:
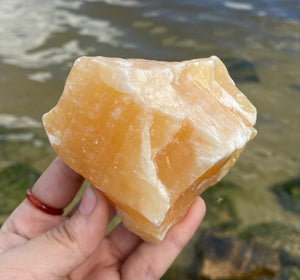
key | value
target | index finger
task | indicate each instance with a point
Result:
(56, 187)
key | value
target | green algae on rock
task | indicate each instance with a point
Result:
(14, 181)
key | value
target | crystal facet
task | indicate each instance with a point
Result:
(150, 135)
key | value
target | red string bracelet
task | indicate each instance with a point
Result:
(40, 205)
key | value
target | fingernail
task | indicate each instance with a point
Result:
(88, 201)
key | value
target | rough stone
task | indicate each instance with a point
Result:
(151, 135)
(228, 257)
(284, 239)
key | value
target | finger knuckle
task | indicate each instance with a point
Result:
(63, 236)
(147, 269)
(177, 243)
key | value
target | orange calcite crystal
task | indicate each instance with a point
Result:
(150, 135)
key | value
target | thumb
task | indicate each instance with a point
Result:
(58, 252)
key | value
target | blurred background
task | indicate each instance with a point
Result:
(252, 226)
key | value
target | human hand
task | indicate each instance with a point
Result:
(36, 245)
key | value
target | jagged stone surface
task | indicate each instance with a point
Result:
(150, 135)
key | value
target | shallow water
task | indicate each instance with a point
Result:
(259, 41)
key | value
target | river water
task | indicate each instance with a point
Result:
(259, 41)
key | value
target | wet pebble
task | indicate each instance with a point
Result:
(229, 257)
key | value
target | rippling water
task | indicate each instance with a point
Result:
(259, 41)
